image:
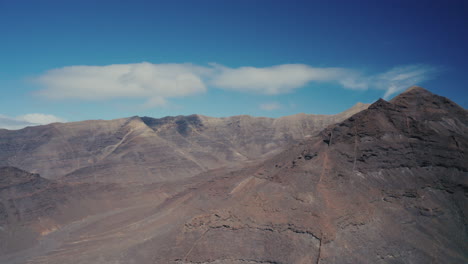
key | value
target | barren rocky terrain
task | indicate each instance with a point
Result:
(144, 149)
(385, 183)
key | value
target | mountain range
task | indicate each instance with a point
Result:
(379, 183)
(144, 149)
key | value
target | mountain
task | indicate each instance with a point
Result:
(37, 214)
(144, 149)
(388, 184)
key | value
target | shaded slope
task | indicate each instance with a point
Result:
(36, 214)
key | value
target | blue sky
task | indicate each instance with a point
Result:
(78, 60)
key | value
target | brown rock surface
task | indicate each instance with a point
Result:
(32, 207)
(153, 150)
(387, 185)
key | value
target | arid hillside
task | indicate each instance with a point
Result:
(388, 184)
(144, 149)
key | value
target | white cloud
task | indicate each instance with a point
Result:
(12, 123)
(288, 77)
(275, 79)
(141, 80)
(19, 122)
(155, 83)
(270, 106)
(41, 119)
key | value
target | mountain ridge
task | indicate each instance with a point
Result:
(94, 150)
(356, 107)
(385, 185)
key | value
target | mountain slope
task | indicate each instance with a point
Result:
(387, 185)
(153, 150)
(37, 215)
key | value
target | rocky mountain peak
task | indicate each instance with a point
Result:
(419, 99)
(414, 93)
(416, 114)
(381, 103)
(417, 89)
(358, 105)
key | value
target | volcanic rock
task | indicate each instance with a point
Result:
(386, 185)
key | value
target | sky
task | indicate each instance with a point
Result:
(64, 60)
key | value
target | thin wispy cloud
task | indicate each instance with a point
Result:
(22, 121)
(400, 78)
(156, 83)
(270, 106)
